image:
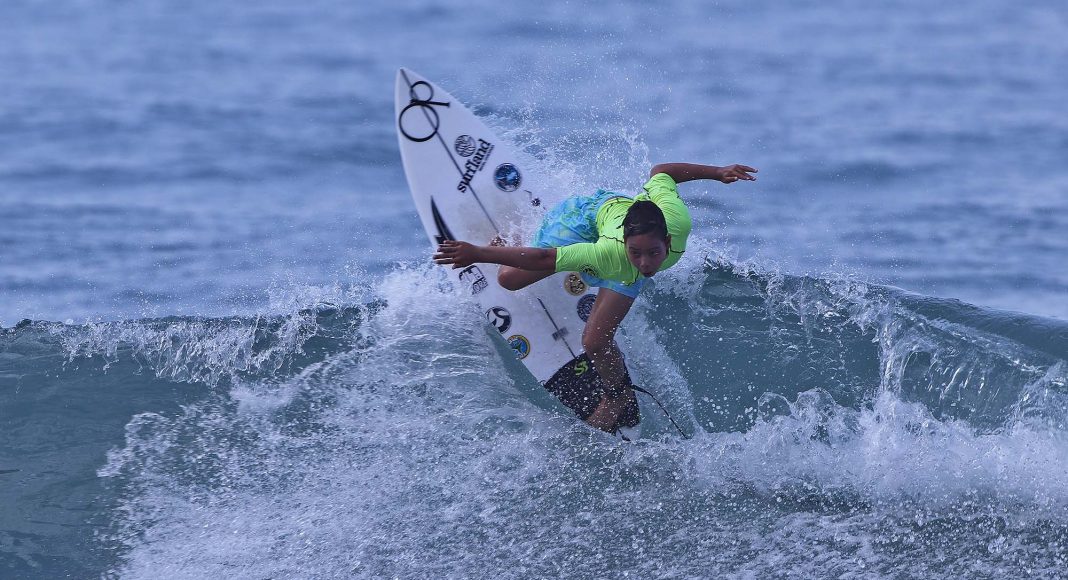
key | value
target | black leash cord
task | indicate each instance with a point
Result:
(668, 415)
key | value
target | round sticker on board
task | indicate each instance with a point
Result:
(500, 318)
(520, 345)
(464, 145)
(585, 306)
(507, 177)
(573, 284)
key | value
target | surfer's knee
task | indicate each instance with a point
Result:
(595, 342)
(510, 278)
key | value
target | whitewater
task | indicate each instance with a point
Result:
(840, 429)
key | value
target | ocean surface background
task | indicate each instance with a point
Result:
(237, 360)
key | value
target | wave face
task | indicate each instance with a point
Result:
(839, 429)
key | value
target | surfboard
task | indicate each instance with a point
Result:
(470, 185)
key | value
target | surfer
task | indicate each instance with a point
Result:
(616, 243)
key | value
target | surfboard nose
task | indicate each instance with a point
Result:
(407, 75)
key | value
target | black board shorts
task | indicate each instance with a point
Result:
(579, 387)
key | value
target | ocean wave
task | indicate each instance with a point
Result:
(368, 439)
(734, 335)
(741, 333)
(193, 349)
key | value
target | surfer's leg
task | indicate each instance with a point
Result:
(572, 221)
(598, 339)
(514, 278)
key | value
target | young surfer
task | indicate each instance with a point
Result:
(615, 242)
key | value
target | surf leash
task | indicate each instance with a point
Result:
(662, 408)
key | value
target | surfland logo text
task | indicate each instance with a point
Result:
(475, 164)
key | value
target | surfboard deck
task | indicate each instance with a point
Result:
(468, 184)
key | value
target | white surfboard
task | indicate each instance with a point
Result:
(468, 184)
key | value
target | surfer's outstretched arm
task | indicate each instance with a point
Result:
(462, 254)
(520, 267)
(681, 172)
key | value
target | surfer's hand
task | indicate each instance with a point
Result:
(732, 173)
(458, 254)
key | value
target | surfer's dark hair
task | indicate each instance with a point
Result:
(645, 217)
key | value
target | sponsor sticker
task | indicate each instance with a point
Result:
(507, 177)
(475, 164)
(473, 276)
(500, 318)
(465, 146)
(573, 284)
(520, 345)
(585, 306)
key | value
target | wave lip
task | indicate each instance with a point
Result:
(747, 333)
(194, 349)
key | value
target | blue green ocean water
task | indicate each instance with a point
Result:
(224, 352)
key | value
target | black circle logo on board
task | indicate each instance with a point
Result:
(500, 318)
(507, 177)
(465, 146)
(585, 306)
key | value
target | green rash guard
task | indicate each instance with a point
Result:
(607, 257)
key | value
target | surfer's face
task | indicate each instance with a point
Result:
(647, 252)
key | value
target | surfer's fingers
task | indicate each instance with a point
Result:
(736, 172)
